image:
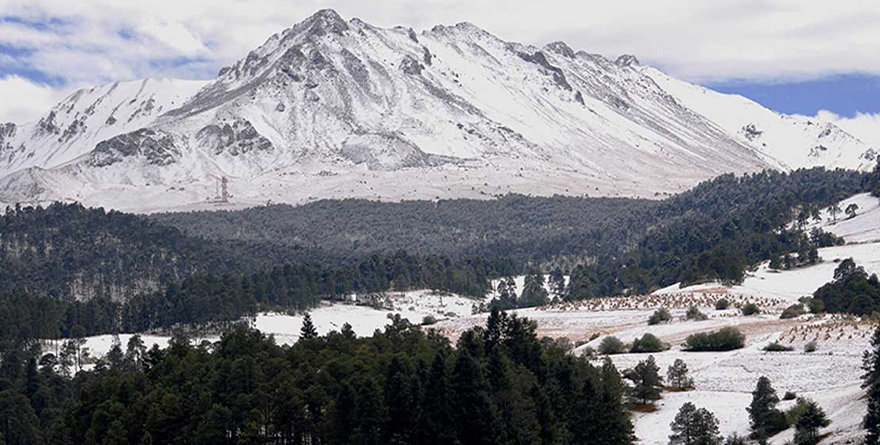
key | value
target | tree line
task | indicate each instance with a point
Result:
(211, 300)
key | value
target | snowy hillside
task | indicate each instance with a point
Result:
(87, 117)
(787, 142)
(333, 108)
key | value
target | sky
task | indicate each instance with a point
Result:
(805, 57)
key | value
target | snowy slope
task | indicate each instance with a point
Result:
(789, 142)
(333, 108)
(88, 116)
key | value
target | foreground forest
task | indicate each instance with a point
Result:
(499, 385)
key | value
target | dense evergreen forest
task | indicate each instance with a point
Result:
(205, 301)
(720, 229)
(133, 273)
(500, 385)
(560, 230)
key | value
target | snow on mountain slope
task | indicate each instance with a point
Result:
(333, 108)
(86, 117)
(864, 227)
(789, 142)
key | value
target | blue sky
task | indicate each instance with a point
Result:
(845, 95)
(789, 55)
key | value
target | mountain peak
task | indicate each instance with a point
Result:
(627, 60)
(326, 20)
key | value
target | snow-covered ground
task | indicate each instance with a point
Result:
(864, 227)
(413, 306)
(791, 285)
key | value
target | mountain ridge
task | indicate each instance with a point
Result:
(331, 108)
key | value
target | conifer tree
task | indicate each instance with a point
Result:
(402, 400)
(694, 426)
(871, 385)
(677, 375)
(646, 380)
(436, 415)
(475, 417)
(308, 331)
(808, 424)
(764, 417)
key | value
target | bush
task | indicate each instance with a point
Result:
(428, 320)
(694, 314)
(793, 311)
(659, 316)
(810, 347)
(722, 304)
(776, 347)
(611, 345)
(751, 309)
(724, 339)
(789, 396)
(816, 306)
(648, 343)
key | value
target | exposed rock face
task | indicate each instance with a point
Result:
(156, 147)
(627, 60)
(235, 139)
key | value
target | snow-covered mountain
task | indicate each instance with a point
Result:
(336, 108)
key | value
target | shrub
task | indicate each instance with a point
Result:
(816, 306)
(659, 316)
(793, 311)
(789, 396)
(722, 304)
(428, 320)
(724, 339)
(810, 347)
(611, 345)
(648, 343)
(751, 309)
(776, 347)
(694, 314)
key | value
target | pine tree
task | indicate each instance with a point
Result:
(694, 426)
(475, 418)
(764, 417)
(370, 417)
(613, 426)
(808, 424)
(646, 380)
(871, 384)
(557, 283)
(402, 400)
(677, 375)
(308, 331)
(534, 293)
(436, 416)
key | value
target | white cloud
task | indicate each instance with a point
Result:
(96, 41)
(864, 126)
(23, 100)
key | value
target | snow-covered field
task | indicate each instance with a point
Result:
(791, 285)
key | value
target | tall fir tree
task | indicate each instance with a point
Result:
(871, 385)
(436, 415)
(475, 417)
(763, 415)
(308, 330)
